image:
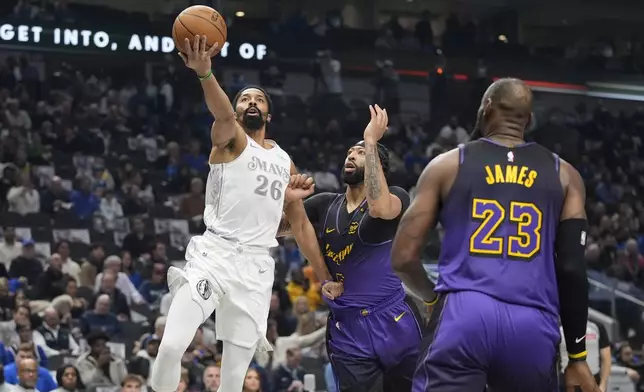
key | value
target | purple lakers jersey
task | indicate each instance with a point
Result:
(358, 256)
(500, 220)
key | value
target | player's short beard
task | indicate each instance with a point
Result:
(253, 123)
(353, 178)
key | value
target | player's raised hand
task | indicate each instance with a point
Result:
(300, 187)
(332, 290)
(197, 55)
(578, 375)
(378, 124)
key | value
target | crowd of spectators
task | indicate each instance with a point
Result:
(101, 186)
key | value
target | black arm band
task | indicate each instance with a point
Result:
(573, 284)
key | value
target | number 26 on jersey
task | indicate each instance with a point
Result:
(520, 222)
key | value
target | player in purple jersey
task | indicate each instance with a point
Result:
(374, 332)
(512, 259)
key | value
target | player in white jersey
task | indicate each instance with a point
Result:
(229, 267)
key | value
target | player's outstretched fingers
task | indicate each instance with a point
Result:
(372, 111)
(212, 49)
(203, 50)
(187, 46)
(386, 120)
(195, 44)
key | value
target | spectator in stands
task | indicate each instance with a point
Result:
(626, 358)
(16, 117)
(68, 379)
(285, 322)
(99, 366)
(212, 378)
(299, 286)
(7, 303)
(131, 383)
(23, 198)
(252, 382)
(155, 288)
(27, 376)
(85, 202)
(193, 203)
(51, 282)
(25, 335)
(110, 209)
(55, 198)
(21, 316)
(9, 247)
(119, 302)
(289, 377)
(195, 159)
(101, 178)
(70, 267)
(145, 357)
(124, 285)
(4, 387)
(159, 253)
(100, 319)
(26, 266)
(26, 351)
(176, 172)
(138, 241)
(57, 338)
(78, 304)
(453, 134)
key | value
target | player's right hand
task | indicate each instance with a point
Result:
(332, 290)
(197, 57)
(300, 187)
(578, 374)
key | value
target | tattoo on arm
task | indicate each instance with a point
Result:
(372, 168)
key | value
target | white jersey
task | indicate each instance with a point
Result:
(245, 197)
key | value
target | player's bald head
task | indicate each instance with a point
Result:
(510, 95)
(506, 106)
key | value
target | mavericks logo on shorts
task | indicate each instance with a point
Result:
(203, 288)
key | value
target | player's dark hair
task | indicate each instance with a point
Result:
(383, 154)
(268, 97)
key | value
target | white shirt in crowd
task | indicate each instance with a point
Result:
(23, 201)
(9, 252)
(110, 209)
(125, 286)
(38, 339)
(447, 132)
(18, 120)
(71, 268)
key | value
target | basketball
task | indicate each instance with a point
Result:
(199, 20)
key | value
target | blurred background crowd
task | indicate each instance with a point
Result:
(103, 158)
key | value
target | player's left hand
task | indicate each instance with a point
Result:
(332, 290)
(300, 187)
(378, 124)
(578, 374)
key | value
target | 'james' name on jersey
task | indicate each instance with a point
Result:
(500, 218)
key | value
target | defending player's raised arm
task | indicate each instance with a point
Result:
(569, 262)
(382, 204)
(418, 220)
(225, 129)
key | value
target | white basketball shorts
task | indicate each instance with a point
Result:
(237, 280)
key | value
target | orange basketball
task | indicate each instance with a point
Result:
(199, 20)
